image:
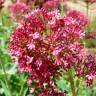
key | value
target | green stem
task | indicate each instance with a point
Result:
(22, 86)
(62, 8)
(72, 85)
(87, 11)
(6, 79)
(13, 1)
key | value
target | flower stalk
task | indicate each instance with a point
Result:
(87, 12)
(72, 84)
(6, 79)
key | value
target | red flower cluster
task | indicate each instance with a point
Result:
(90, 35)
(18, 10)
(52, 4)
(52, 93)
(37, 3)
(90, 64)
(88, 67)
(45, 42)
(55, 4)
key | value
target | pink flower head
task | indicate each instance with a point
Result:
(36, 3)
(45, 42)
(90, 64)
(18, 10)
(78, 17)
(52, 4)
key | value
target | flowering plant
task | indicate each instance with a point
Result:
(51, 48)
(45, 43)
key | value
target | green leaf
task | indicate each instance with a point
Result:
(6, 92)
